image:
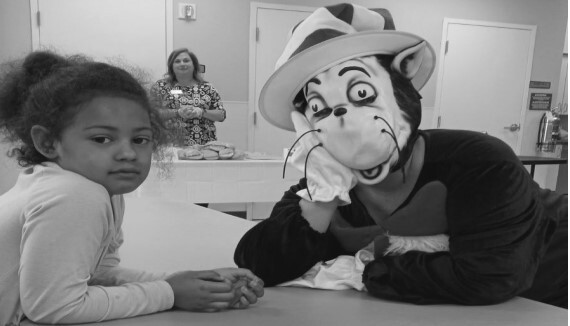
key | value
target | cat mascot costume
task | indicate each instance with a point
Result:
(446, 216)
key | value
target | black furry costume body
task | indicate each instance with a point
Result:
(507, 236)
(348, 83)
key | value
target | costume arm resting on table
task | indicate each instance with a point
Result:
(498, 233)
(284, 246)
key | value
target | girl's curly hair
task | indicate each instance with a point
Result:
(48, 89)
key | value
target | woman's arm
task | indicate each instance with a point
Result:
(216, 110)
(214, 115)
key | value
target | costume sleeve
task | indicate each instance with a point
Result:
(498, 233)
(216, 102)
(284, 246)
(62, 240)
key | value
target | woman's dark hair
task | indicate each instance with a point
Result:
(47, 89)
(171, 76)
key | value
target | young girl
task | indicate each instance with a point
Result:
(85, 133)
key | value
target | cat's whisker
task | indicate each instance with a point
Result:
(393, 136)
(305, 169)
(293, 146)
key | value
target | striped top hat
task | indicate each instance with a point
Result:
(329, 36)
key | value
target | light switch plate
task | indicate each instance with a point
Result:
(186, 11)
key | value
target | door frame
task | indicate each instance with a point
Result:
(252, 113)
(441, 65)
(169, 23)
(562, 95)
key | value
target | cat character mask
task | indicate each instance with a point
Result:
(360, 122)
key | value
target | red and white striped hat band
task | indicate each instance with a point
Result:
(327, 37)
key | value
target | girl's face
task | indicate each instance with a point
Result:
(182, 65)
(108, 142)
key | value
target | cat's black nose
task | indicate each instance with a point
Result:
(339, 111)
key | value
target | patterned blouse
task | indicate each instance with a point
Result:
(188, 132)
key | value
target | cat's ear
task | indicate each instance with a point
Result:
(408, 61)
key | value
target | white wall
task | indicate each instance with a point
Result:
(15, 32)
(8, 170)
(225, 50)
(220, 38)
(231, 129)
(15, 40)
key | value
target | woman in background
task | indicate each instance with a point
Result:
(189, 104)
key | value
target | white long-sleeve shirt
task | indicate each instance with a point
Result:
(59, 240)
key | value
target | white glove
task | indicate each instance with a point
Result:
(327, 179)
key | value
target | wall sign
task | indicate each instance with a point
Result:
(539, 84)
(540, 101)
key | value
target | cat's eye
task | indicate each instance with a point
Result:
(362, 93)
(316, 104)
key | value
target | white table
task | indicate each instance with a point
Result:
(222, 181)
(305, 307)
(162, 235)
(171, 236)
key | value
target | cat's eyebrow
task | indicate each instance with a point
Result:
(349, 68)
(314, 80)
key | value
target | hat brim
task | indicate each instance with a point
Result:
(277, 95)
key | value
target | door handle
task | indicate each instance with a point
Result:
(514, 127)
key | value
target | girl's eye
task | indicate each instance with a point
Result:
(101, 139)
(315, 104)
(141, 140)
(186, 60)
(362, 93)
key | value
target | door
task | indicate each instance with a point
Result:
(270, 28)
(129, 31)
(484, 73)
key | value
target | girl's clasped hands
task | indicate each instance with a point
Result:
(214, 290)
